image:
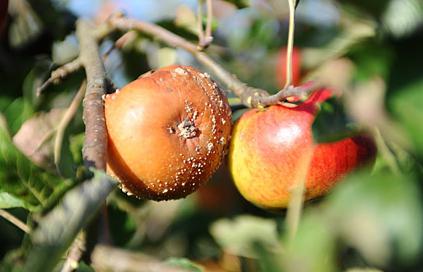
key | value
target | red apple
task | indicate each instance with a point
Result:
(281, 67)
(272, 151)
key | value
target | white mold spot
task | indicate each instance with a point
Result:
(180, 71)
(209, 146)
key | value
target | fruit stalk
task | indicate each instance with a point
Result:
(290, 45)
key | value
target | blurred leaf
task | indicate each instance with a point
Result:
(34, 79)
(402, 17)
(165, 56)
(8, 201)
(66, 50)
(186, 17)
(83, 267)
(66, 165)
(25, 26)
(354, 32)
(35, 138)
(331, 123)
(17, 112)
(238, 236)
(20, 178)
(60, 226)
(240, 3)
(380, 216)
(269, 261)
(407, 105)
(185, 264)
(313, 248)
(374, 7)
(372, 59)
(405, 85)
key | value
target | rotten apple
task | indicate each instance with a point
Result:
(272, 151)
(167, 131)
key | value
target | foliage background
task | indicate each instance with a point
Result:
(369, 49)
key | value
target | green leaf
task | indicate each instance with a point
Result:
(407, 105)
(313, 248)
(66, 164)
(380, 216)
(240, 3)
(184, 263)
(240, 235)
(403, 17)
(404, 89)
(26, 25)
(60, 226)
(17, 112)
(83, 267)
(332, 123)
(34, 79)
(35, 137)
(20, 178)
(8, 201)
(372, 59)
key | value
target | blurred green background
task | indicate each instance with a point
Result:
(371, 51)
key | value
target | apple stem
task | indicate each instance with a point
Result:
(204, 36)
(290, 44)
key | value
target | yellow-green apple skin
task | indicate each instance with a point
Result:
(272, 151)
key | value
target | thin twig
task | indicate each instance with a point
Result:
(204, 37)
(250, 96)
(64, 122)
(60, 73)
(95, 144)
(74, 254)
(105, 258)
(200, 23)
(14, 220)
(209, 22)
(289, 92)
(120, 43)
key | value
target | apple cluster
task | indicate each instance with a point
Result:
(169, 130)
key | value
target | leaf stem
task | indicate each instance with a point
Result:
(14, 220)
